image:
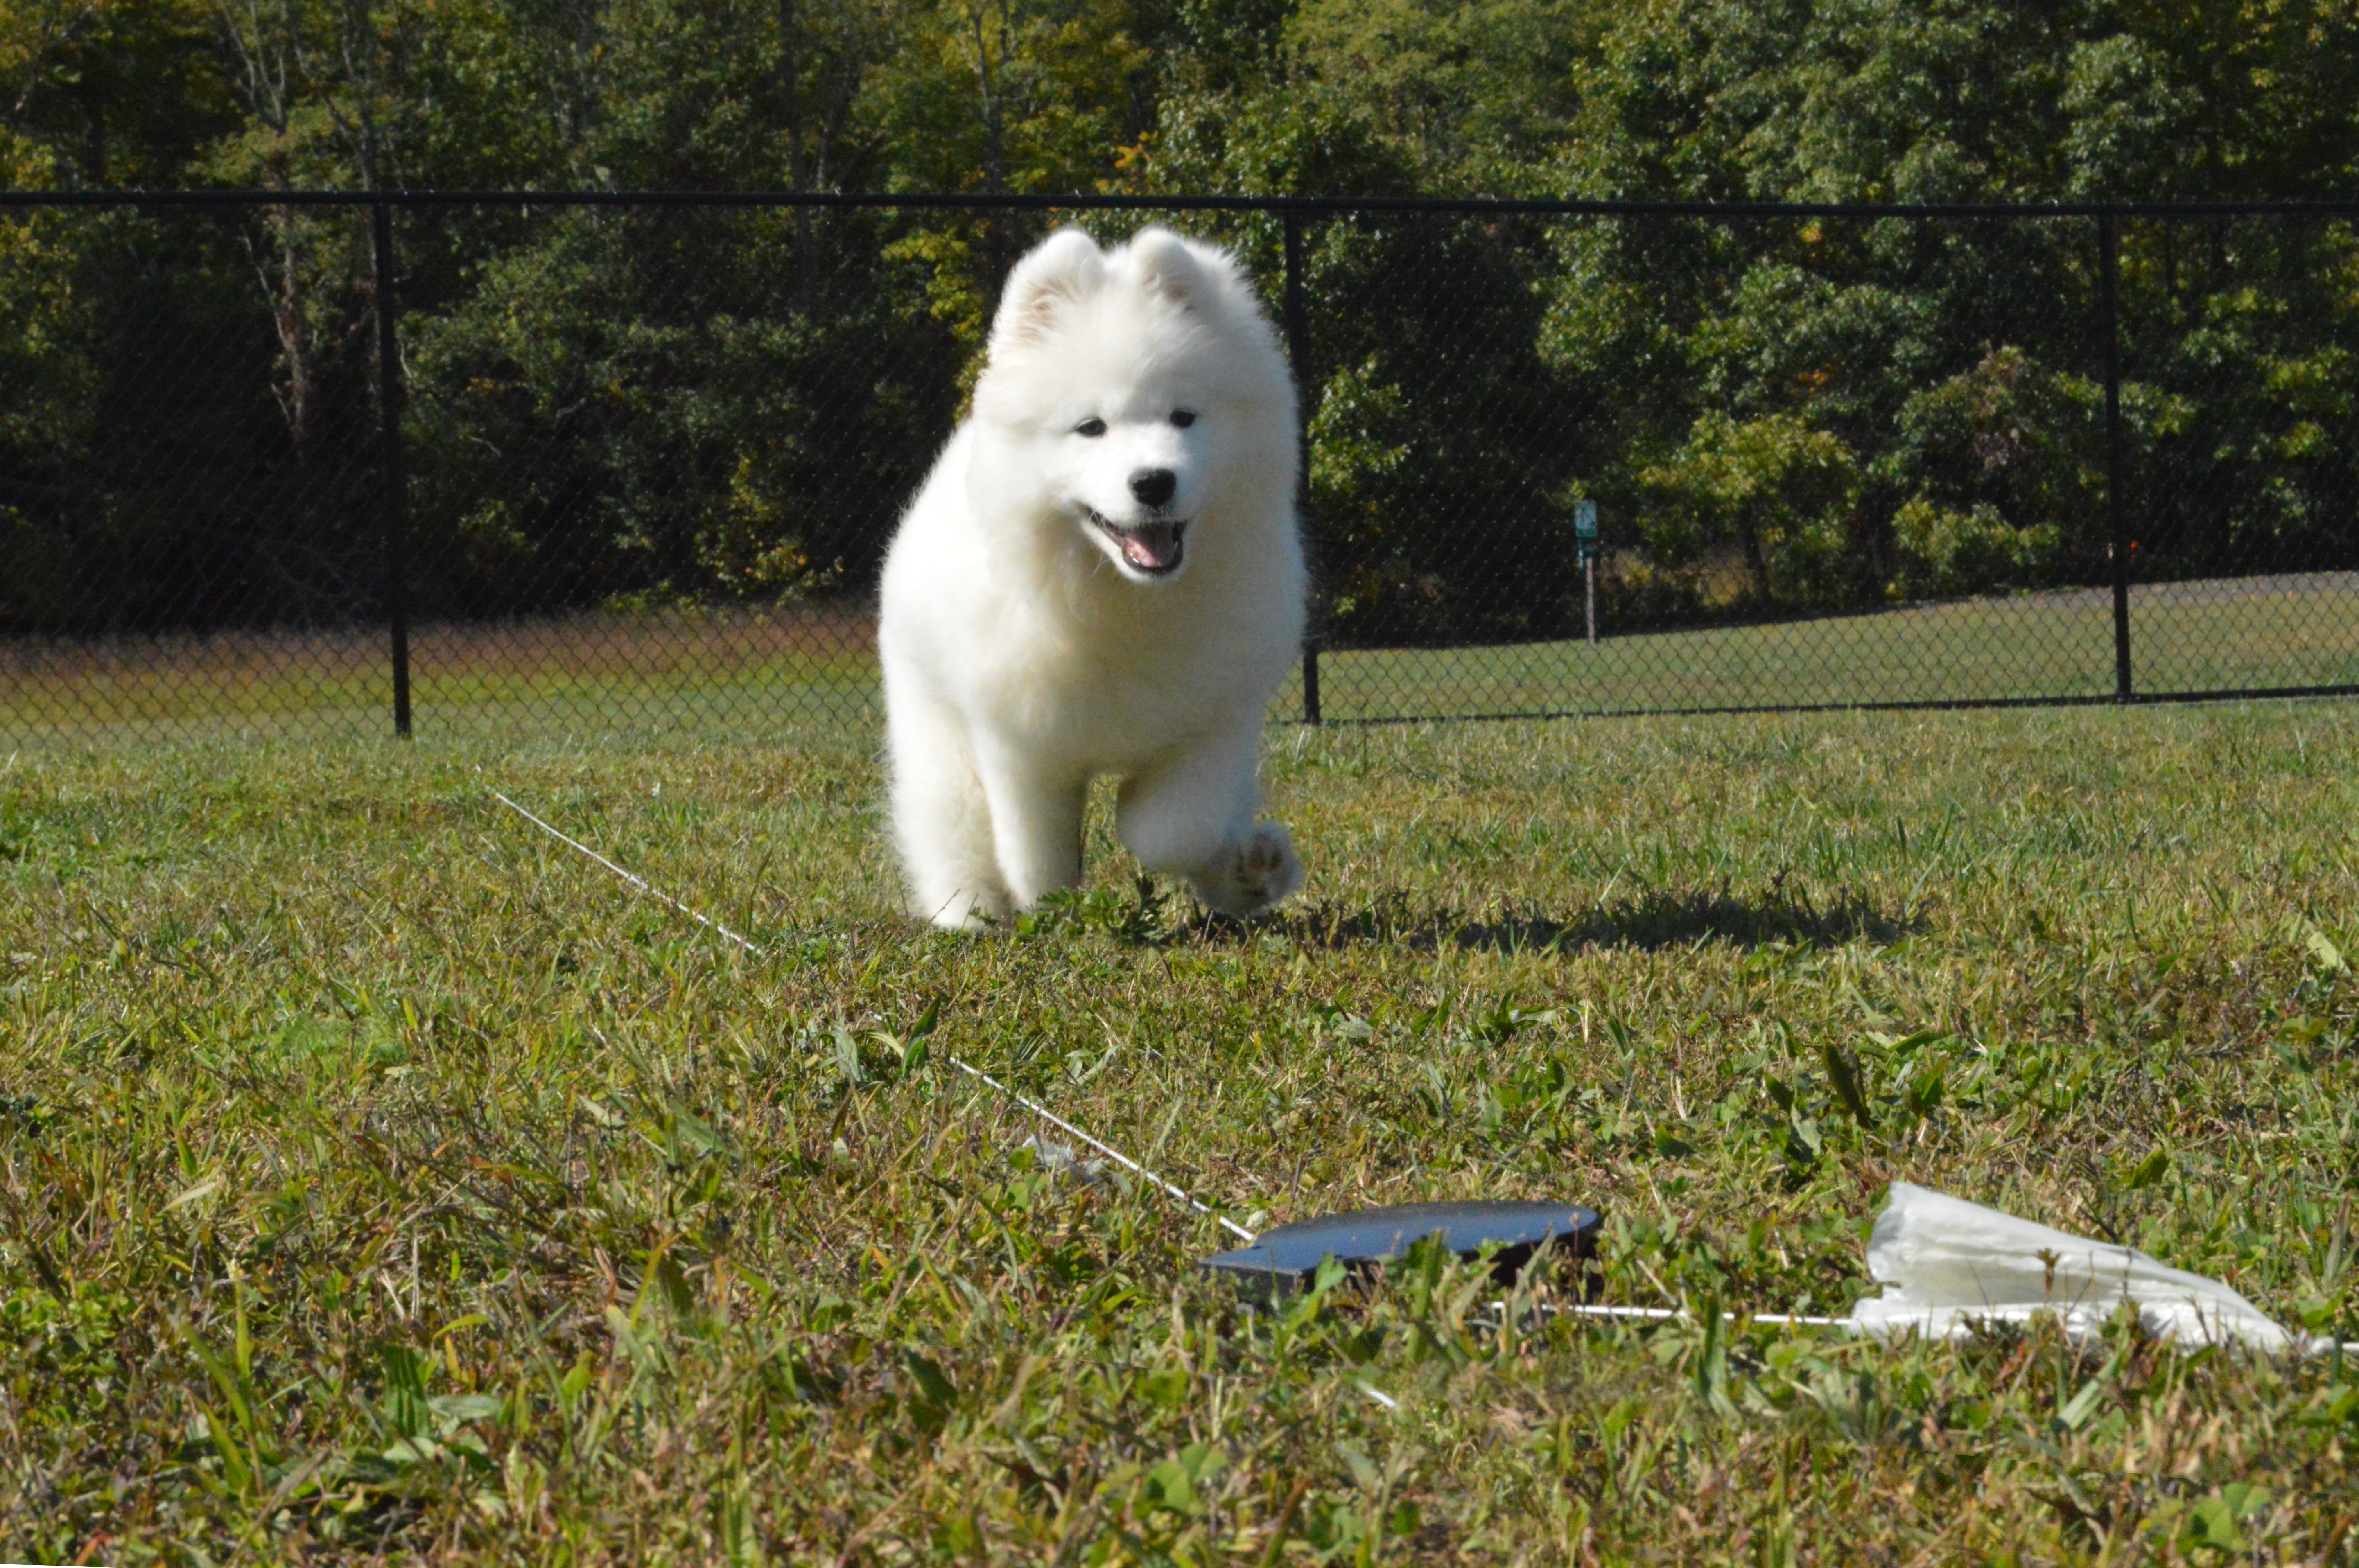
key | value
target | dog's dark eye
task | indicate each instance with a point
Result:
(1091, 426)
(1184, 418)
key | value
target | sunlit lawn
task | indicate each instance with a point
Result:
(378, 1178)
(2238, 634)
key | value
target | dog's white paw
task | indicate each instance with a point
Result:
(1258, 870)
(959, 910)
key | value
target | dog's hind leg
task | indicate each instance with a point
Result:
(942, 820)
(1193, 817)
(1036, 823)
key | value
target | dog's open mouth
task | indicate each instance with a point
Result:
(1153, 549)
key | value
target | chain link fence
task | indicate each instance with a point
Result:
(507, 465)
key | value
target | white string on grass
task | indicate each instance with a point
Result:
(637, 882)
(1043, 1111)
(1665, 1314)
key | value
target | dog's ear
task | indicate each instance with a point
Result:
(1169, 265)
(1055, 273)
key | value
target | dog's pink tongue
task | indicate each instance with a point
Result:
(1152, 547)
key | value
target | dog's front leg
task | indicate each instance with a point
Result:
(1193, 817)
(942, 819)
(1036, 824)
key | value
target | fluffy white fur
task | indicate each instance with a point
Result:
(1101, 575)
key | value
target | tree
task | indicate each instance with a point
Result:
(726, 405)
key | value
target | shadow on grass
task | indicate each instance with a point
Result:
(1650, 921)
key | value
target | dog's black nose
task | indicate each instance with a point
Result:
(1154, 487)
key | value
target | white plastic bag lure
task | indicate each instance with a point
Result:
(1947, 1264)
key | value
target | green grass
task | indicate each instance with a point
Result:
(671, 677)
(2238, 634)
(661, 675)
(378, 1178)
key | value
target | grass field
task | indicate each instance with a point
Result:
(741, 675)
(2238, 633)
(647, 676)
(380, 1180)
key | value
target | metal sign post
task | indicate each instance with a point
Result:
(1585, 529)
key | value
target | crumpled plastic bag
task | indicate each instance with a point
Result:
(1948, 1265)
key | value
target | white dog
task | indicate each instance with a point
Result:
(1101, 575)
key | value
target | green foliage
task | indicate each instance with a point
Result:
(698, 412)
(1009, 95)
(671, 406)
(1951, 553)
(1778, 493)
(1433, 517)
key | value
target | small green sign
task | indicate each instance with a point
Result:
(1585, 520)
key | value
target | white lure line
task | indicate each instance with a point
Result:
(639, 883)
(1043, 1111)
(1667, 1315)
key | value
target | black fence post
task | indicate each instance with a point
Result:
(1298, 342)
(2109, 310)
(396, 494)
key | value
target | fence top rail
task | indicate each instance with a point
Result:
(1326, 205)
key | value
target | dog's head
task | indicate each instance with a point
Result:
(1142, 391)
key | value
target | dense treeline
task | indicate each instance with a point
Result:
(618, 404)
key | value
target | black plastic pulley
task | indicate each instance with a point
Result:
(1281, 1261)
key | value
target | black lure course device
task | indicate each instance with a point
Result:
(1280, 1262)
